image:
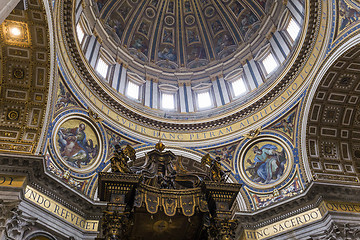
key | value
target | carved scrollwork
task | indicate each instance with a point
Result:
(115, 225)
(339, 232)
(223, 229)
(18, 224)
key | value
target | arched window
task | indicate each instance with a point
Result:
(80, 33)
(204, 99)
(168, 101)
(293, 29)
(269, 63)
(238, 87)
(102, 67)
(133, 90)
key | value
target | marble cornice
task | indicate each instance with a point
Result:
(33, 168)
(309, 199)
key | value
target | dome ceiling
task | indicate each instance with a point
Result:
(187, 34)
(111, 29)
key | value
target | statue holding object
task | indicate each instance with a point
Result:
(217, 173)
(122, 157)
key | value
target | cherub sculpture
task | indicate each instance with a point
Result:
(122, 157)
(216, 171)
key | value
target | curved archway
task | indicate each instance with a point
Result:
(40, 236)
(330, 123)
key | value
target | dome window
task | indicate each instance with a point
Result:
(238, 87)
(102, 67)
(132, 90)
(293, 29)
(269, 63)
(204, 100)
(80, 33)
(167, 101)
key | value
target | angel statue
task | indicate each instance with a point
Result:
(216, 171)
(121, 159)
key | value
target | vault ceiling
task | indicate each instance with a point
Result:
(24, 78)
(333, 130)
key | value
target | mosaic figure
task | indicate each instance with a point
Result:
(140, 44)
(246, 20)
(167, 65)
(65, 176)
(192, 36)
(64, 98)
(263, 200)
(116, 24)
(115, 139)
(216, 26)
(267, 163)
(196, 64)
(236, 8)
(187, 7)
(144, 28)
(223, 41)
(286, 125)
(262, 3)
(124, 10)
(171, 7)
(196, 52)
(347, 14)
(154, 2)
(75, 147)
(100, 4)
(167, 53)
(167, 36)
(226, 153)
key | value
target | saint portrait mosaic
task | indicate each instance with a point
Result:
(265, 162)
(77, 143)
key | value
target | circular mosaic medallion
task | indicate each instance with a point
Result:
(150, 13)
(169, 20)
(77, 143)
(189, 20)
(265, 162)
(209, 11)
(18, 73)
(13, 115)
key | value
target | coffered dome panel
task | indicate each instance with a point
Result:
(333, 132)
(184, 34)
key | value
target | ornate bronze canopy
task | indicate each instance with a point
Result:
(162, 200)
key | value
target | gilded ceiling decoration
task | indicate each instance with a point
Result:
(24, 78)
(182, 34)
(333, 129)
(286, 125)
(277, 178)
(141, 119)
(64, 98)
(348, 14)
